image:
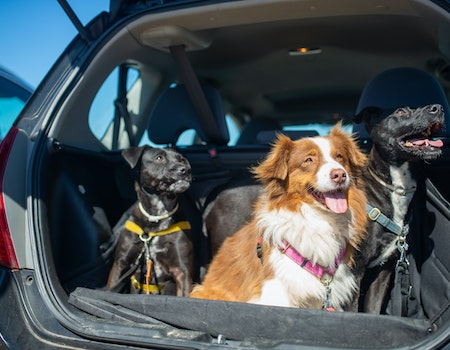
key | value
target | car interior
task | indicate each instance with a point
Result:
(219, 86)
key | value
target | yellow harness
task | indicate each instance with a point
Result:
(147, 288)
(135, 228)
(146, 238)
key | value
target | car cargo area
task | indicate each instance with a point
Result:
(82, 257)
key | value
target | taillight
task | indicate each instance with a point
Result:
(7, 253)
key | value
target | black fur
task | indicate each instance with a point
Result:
(393, 134)
(161, 176)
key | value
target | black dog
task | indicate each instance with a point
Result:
(401, 138)
(154, 248)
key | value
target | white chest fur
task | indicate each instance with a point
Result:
(318, 236)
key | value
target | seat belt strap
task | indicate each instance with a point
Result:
(121, 109)
(196, 94)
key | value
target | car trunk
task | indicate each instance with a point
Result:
(81, 194)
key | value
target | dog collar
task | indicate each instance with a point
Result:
(316, 269)
(156, 218)
(135, 228)
(401, 191)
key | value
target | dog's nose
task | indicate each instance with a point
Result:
(183, 170)
(435, 109)
(338, 175)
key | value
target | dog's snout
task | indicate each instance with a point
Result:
(338, 176)
(183, 170)
(435, 109)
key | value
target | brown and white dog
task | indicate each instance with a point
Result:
(154, 252)
(306, 225)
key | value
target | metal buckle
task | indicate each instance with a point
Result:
(146, 237)
(326, 279)
(374, 214)
(401, 191)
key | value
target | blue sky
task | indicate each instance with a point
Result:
(33, 33)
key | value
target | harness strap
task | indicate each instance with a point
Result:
(196, 94)
(259, 249)
(146, 238)
(148, 288)
(402, 281)
(179, 226)
(375, 214)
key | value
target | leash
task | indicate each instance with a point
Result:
(146, 237)
(402, 282)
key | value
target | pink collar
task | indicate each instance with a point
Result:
(317, 270)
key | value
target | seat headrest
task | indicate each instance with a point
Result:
(174, 113)
(267, 137)
(401, 87)
(250, 131)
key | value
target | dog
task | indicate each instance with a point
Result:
(154, 253)
(229, 211)
(401, 139)
(297, 249)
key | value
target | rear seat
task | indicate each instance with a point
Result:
(174, 113)
(87, 194)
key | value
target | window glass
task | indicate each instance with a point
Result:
(322, 129)
(189, 137)
(12, 100)
(233, 130)
(103, 108)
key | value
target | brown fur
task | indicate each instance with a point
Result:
(236, 273)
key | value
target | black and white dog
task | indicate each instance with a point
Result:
(154, 253)
(401, 139)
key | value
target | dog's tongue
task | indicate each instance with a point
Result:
(336, 202)
(434, 143)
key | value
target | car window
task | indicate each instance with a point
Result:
(189, 137)
(321, 129)
(104, 107)
(12, 100)
(233, 129)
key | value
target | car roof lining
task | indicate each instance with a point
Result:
(293, 90)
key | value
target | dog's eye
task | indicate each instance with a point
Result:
(339, 157)
(308, 160)
(401, 111)
(159, 159)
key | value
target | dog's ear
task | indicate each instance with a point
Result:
(133, 154)
(369, 116)
(356, 157)
(276, 165)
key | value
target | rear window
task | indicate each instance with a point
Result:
(12, 100)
